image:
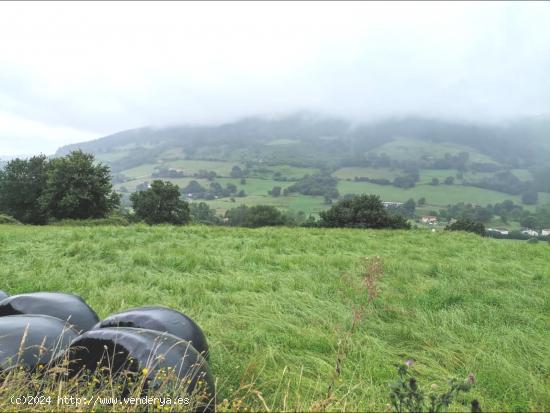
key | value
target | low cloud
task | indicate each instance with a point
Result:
(75, 71)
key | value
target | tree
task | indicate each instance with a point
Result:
(256, 216)
(276, 191)
(160, 204)
(409, 208)
(361, 211)
(194, 187)
(22, 183)
(435, 181)
(530, 221)
(236, 172)
(449, 180)
(467, 225)
(530, 198)
(422, 201)
(201, 213)
(78, 188)
(243, 181)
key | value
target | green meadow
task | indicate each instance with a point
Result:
(316, 319)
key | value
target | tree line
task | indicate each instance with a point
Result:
(41, 190)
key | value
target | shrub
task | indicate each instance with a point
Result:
(533, 240)
(467, 225)
(115, 219)
(201, 213)
(407, 395)
(361, 211)
(256, 216)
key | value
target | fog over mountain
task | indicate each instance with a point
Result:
(71, 72)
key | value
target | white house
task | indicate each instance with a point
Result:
(530, 232)
(545, 232)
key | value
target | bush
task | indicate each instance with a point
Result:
(467, 225)
(115, 220)
(201, 213)
(407, 395)
(533, 240)
(361, 211)
(6, 219)
(256, 216)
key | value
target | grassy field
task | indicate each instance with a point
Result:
(377, 173)
(296, 203)
(415, 149)
(278, 305)
(435, 195)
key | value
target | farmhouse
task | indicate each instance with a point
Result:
(545, 232)
(428, 219)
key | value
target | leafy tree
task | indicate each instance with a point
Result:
(201, 213)
(435, 181)
(22, 183)
(530, 198)
(160, 204)
(231, 188)
(467, 225)
(409, 208)
(236, 172)
(276, 191)
(361, 211)
(241, 193)
(530, 222)
(194, 187)
(256, 216)
(449, 180)
(317, 184)
(78, 188)
(422, 201)
(407, 181)
(243, 181)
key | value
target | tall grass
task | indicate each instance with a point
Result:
(290, 318)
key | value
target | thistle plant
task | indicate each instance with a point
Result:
(406, 395)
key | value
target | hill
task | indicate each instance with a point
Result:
(278, 312)
(487, 163)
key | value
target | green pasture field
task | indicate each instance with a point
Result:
(191, 166)
(378, 173)
(407, 149)
(440, 195)
(296, 203)
(278, 305)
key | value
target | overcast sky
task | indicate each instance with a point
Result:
(72, 71)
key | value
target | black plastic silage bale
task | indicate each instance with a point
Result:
(31, 340)
(121, 350)
(67, 307)
(160, 319)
